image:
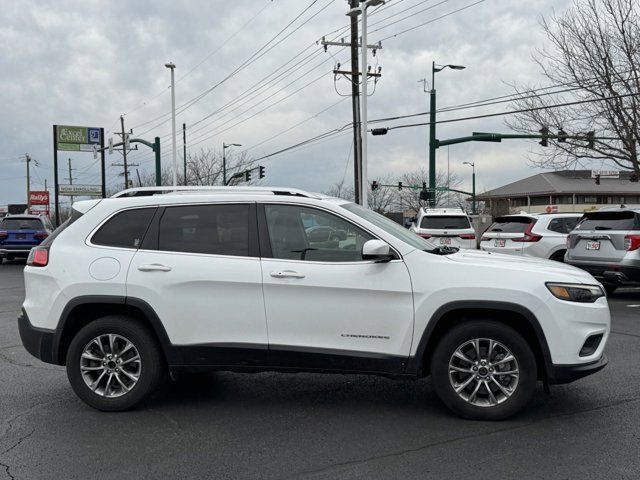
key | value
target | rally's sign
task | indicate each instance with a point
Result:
(78, 139)
(38, 197)
(80, 190)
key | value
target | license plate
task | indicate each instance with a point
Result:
(593, 245)
(499, 243)
(21, 236)
(445, 241)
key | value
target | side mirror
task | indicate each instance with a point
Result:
(377, 250)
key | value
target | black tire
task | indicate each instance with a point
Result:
(151, 362)
(558, 256)
(610, 287)
(484, 329)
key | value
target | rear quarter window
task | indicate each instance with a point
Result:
(609, 221)
(125, 229)
(445, 222)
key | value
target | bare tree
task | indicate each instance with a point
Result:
(594, 55)
(205, 167)
(409, 198)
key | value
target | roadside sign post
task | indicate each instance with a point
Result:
(76, 139)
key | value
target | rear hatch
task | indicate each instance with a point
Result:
(604, 236)
(18, 233)
(509, 234)
(449, 230)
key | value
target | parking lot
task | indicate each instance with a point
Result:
(273, 425)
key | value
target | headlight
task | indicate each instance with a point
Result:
(575, 292)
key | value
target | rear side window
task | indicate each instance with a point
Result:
(556, 225)
(511, 224)
(125, 229)
(21, 224)
(609, 221)
(206, 229)
(445, 222)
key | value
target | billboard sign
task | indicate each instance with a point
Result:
(80, 190)
(70, 135)
(39, 197)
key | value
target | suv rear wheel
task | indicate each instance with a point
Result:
(114, 363)
(484, 370)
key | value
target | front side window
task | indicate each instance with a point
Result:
(125, 229)
(556, 225)
(208, 229)
(303, 233)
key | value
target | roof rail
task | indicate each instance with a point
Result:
(149, 191)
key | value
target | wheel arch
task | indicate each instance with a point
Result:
(516, 316)
(82, 310)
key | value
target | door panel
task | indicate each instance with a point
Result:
(344, 315)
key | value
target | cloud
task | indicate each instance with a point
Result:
(88, 62)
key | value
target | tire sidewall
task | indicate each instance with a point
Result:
(142, 339)
(510, 339)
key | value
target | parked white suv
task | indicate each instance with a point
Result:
(542, 236)
(446, 226)
(233, 279)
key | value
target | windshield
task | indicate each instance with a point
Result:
(389, 226)
(445, 222)
(21, 224)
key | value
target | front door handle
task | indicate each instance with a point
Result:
(287, 274)
(154, 267)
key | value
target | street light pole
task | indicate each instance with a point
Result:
(171, 66)
(224, 160)
(432, 128)
(473, 187)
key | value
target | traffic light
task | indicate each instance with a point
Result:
(544, 131)
(428, 196)
(597, 179)
(562, 135)
(591, 139)
(399, 185)
(261, 170)
(247, 176)
(374, 186)
(379, 131)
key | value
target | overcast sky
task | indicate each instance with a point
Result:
(87, 62)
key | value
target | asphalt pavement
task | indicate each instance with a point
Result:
(281, 426)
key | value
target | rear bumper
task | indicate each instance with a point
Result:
(559, 374)
(10, 250)
(609, 273)
(39, 342)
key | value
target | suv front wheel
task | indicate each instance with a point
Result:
(114, 363)
(484, 370)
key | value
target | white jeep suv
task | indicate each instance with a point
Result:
(446, 226)
(235, 279)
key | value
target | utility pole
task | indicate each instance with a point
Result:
(358, 95)
(71, 176)
(355, 105)
(124, 154)
(184, 151)
(171, 66)
(28, 160)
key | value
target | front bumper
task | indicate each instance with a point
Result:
(39, 342)
(559, 374)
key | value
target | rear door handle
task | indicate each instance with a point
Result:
(287, 274)
(154, 267)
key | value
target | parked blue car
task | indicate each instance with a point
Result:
(20, 233)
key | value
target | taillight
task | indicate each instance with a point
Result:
(528, 236)
(40, 235)
(631, 242)
(425, 235)
(38, 257)
(468, 236)
(3, 234)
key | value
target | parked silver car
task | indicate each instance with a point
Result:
(606, 243)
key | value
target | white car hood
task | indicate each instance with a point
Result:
(555, 270)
